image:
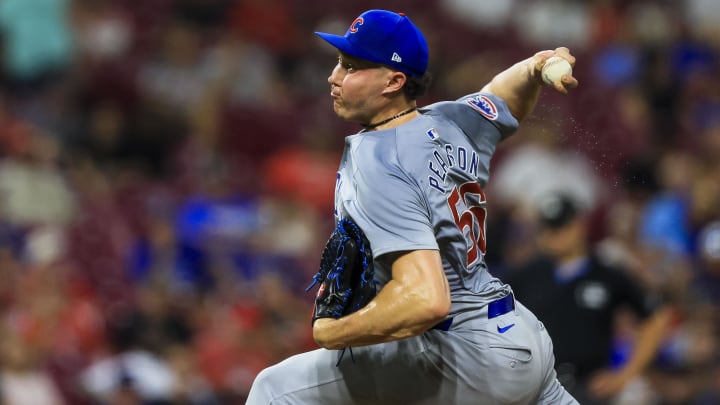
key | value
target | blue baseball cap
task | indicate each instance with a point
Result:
(386, 38)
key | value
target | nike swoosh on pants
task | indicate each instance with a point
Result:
(505, 328)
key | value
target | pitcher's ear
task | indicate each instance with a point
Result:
(396, 81)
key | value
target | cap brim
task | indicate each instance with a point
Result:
(338, 41)
(344, 45)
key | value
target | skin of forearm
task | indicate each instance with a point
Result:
(648, 340)
(416, 299)
(519, 86)
(379, 321)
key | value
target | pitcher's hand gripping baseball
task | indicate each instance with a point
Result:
(555, 69)
(346, 274)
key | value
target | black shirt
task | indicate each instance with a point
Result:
(578, 311)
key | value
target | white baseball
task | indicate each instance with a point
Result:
(554, 69)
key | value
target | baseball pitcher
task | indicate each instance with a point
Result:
(406, 310)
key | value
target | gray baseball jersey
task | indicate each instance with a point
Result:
(420, 186)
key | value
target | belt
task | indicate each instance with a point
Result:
(500, 306)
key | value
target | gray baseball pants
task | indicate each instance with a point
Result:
(478, 361)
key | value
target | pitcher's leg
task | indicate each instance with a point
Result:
(313, 378)
(553, 392)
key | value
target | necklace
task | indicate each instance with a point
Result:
(369, 127)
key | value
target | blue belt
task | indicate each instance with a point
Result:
(501, 306)
(496, 308)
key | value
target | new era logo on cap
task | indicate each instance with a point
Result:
(386, 38)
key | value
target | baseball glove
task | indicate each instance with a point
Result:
(346, 275)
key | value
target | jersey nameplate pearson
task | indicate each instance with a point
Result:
(448, 156)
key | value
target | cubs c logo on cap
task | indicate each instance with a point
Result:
(354, 26)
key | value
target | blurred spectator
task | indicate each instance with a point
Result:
(267, 22)
(208, 15)
(538, 165)
(177, 76)
(57, 317)
(541, 164)
(101, 135)
(579, 298)
(536, 23)
(117, 140)
(617, 65)
(159, 258)
(215, 232)
(144, 338)
(621, 246)
(707, 279)
(14, 133)
(231, 346)
(665, 221)
(38, 42)
(25, 381)
(488, 15)
(305, 176)
(704, 15)
(191, 386)
(31, 179)
(103, 31)
(705, 189)
(688, 367)
(154, 324)
(651, 24)
(131, 377)
(244, 72)
(472, 72)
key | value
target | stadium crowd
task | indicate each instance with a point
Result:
(167, 171)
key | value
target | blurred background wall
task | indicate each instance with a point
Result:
(167, 170)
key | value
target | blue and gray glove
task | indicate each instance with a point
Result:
(346, 275)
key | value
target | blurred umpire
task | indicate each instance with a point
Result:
(578, 296)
